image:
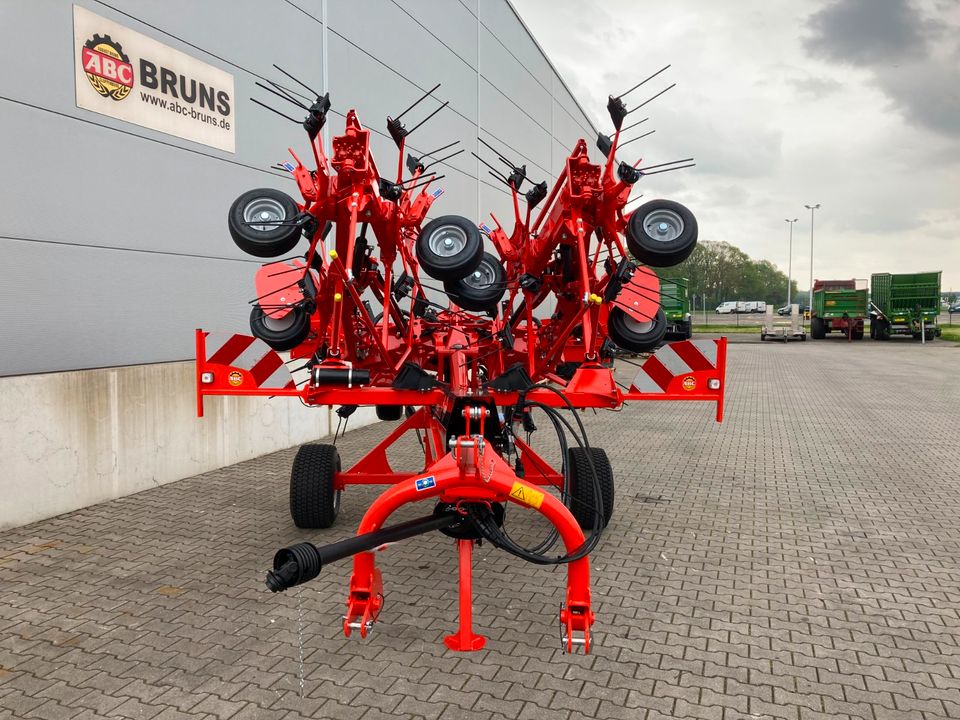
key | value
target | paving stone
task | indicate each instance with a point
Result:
(797, 561)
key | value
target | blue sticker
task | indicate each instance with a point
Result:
(426, 483)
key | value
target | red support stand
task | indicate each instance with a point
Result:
(465, 640)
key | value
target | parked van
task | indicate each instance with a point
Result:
(741, 306)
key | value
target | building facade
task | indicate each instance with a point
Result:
(129, 131)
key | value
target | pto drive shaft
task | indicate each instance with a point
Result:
(302, 562)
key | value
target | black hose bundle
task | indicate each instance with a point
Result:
(488, 527)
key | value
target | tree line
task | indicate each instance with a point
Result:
(722, 272)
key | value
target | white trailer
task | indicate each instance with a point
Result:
(781, 330)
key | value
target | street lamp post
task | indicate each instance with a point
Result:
(790, 259)
(812, 209)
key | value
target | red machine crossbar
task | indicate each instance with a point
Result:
(682, 370)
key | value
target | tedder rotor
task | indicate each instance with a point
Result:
(532, 317)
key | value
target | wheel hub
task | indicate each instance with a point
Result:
(265, 210)
(637, 326)
(447, 241)
(663, 225)
(483, 277)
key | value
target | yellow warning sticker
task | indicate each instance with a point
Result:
(526, 495)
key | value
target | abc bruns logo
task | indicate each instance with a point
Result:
(107, 67)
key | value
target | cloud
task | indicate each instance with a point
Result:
(868, 32)
(816, 87)
(927, 93)
(914, 59)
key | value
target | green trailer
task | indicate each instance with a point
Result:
(905, 304)
(838, 305)
(675, 302)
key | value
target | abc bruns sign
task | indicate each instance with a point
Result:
(134, 78)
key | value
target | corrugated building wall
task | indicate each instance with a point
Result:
(114, 235)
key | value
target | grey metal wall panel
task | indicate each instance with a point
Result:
(568, 107)
(392, 36)
(454, 23)
(500, 20)
(505, 120)
(67, 304)
(113, 189)
(513, 81)
(114, 236)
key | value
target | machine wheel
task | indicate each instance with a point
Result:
(314, 503)
(581, 500)
(883, 331)
(389, 412)
(873, 330)
(636, 336)
(280, 333)
(270, 239)
(449, 247)
(817, 330)
(931, 333)
(661, 233)
(857, 334)
(482, 289)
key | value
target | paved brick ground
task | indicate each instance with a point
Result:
(799, 561)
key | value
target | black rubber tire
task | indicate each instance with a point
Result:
(285, 338)
(883, 331)
(581, 500)
(688, 331)
(817, 330)
(479, 294)
(646, 248)
(619, 327)
(389, 413)
(873, 330)
(451, 267)
(857, 334)
(314, 503)
(272, 240)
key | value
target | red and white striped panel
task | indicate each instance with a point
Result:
(250, 362)
(678, 366)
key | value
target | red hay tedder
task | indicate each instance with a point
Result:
(535, 325)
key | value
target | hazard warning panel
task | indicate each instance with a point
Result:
(526, 495)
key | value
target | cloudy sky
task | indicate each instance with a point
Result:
(853, 104)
